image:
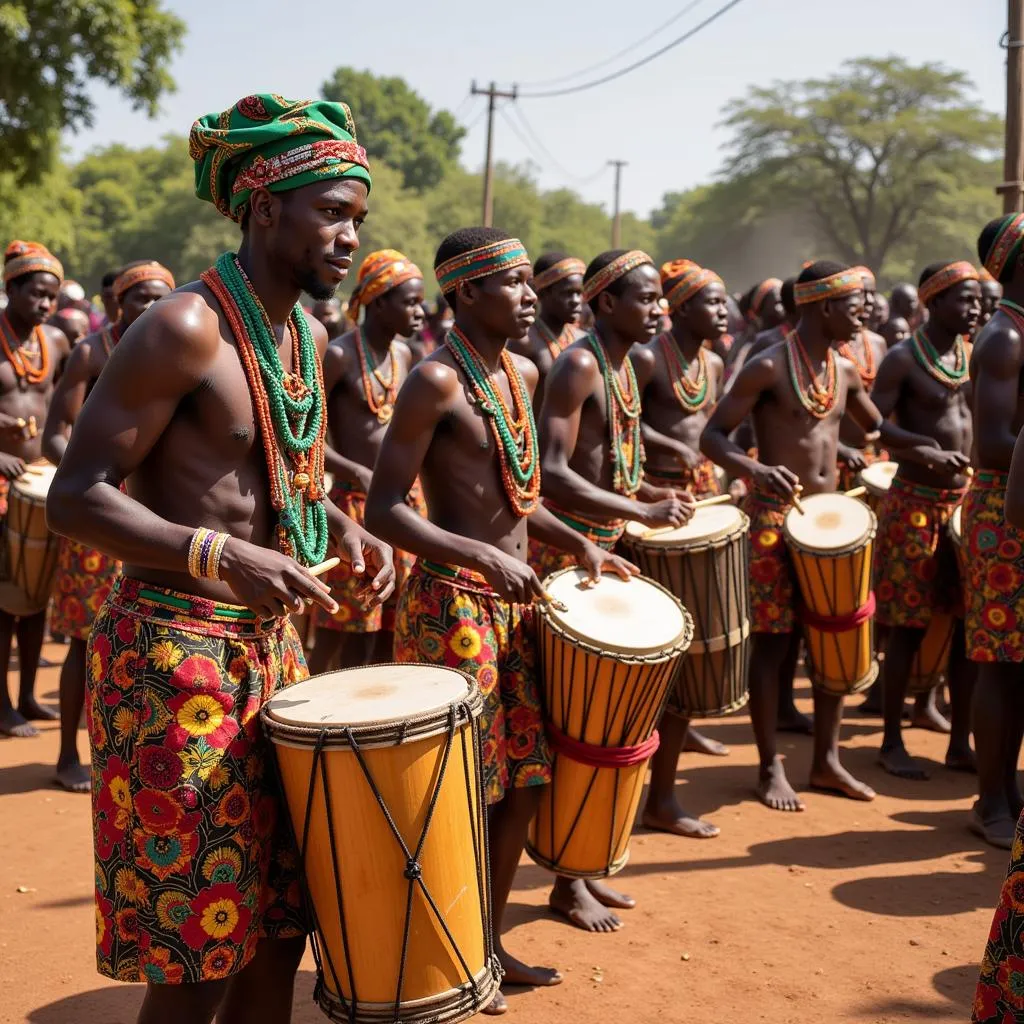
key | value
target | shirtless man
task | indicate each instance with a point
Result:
(195, 635)
(592, 463)
(923, 386)
(680, 381)
(85, 575)
(464, 425)
(330, 314)
(905, 313)
(798, 433)
(34, 353)
(995, 547)
(558, 282)
(991, 293)
(363, 372)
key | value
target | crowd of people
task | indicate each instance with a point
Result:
(213, 442)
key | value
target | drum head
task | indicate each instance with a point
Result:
(956, 525)
(374, 695)
(708, 524)
(830, 522)
(877, 477)
(35, 483)
(628, 616)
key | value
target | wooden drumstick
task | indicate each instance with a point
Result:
(32, 431)
(796, 500)
(553, 602)
(855, 492)
(319, 570)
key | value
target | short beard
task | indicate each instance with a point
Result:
(307, 280)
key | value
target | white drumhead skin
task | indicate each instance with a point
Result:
(830, 522)
(956, 524)
(707, 524)
(363, 696)
(36, 484)
(878, 476)
(630, 615)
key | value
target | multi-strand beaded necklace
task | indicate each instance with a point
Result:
(694, 394)
(18, 354)
(931, 360)
(289, 408)
(515, 432)
(627, 449)
(556, 343)
(384, 407)
(109, 337)
(868, 370)
(818, 399)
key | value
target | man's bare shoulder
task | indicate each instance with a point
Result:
(341, 351)
(188, 319)
(56, 337)
(527, 368)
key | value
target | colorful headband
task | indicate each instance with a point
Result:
(945, 279)
(482, 262)
(986, 277)
(380, 273)
(1006, 245)
(833, 287)
(764, 289)
(619, 267)
(673, 269)
(136, 275)
(23, 258)
(688, 284)
(558, 272)
(868, 276)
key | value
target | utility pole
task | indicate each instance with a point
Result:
(1012, 188)
(617, 212)
(492, 94)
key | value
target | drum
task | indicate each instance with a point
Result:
(381, 772)
(928, 668)
(705, 565)
(877, 478)
(956, 533)
(831, 547)
(607, 662)
(30, 549)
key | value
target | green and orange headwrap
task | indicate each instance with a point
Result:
(761, 292)
(266, 141)
(945, 279)
(136, 275)
(682, 279)
(488, 259)
(379, 273)
(23, 258)
(833, 287)
(558, 272)
(619, 267)
(1006, 246)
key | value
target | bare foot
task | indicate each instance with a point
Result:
(998, 832)
(74, 777)
(518, 973)
(774, 790)
(896, 761)
(572, 899)
(13, 723)
(37, 712)
(791, 720)
(698, 743)
(960, 760)
(670, 817)
(834, 778)
(497, 1006)
(608, 896)
(929, 717)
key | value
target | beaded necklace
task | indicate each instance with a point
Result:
(931, 361)
(19, 354)
(515, 433)
(384, 407)
(818, 399)
(109, 337)
(1014, 312)
(868, 370)
(556, 343)
(627, 448)
(289, 408)
(694, 394)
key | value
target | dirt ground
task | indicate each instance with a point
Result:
(849, 912)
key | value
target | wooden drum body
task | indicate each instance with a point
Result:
(30, 549)
(381, 771)
(705, 564)
(607, 662)
(831, 547)
(877, 479)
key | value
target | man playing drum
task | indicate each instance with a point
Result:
(84, 575)
(34, 352)
(196, 887)
(464, 424)
(797, 393)
(923, 385)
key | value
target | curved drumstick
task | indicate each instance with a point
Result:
(855, 492)
(319, 570)
(796, 499)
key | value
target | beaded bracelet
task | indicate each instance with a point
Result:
(204, 553)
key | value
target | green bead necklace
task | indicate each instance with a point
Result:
(931, 361)
(627, 448)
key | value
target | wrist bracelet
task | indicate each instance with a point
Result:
(204, 553)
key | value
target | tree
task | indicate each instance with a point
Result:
(396, 125)
(869, 152)
(50, 50)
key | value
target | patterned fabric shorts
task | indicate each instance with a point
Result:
(999, 997)
(545, 559)
(5, 490)
(916, 571)
(351, 616)
(700, 481)
(451, 617)
(994, 586)
(83, 581)
(772, 581)
(194, 856)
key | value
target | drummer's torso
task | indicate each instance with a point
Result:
(29, 401)
(993, 353)
(591, 458)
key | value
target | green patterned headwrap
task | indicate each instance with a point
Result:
(266, 141)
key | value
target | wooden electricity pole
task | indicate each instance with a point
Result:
(493, 94)
(617, 208)
(1012, 188)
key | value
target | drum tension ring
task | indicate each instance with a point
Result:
(412, 869)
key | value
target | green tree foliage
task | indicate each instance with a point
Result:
(50, 50)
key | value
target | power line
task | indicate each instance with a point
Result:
(621, 53)
(636, 64)
(532, 134)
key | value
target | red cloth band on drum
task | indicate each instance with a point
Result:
(600, 757)
(840, 623)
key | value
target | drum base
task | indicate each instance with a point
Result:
(560, 869)
(448, 1008)
(838, 688)
(14, 600)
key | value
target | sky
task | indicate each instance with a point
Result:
(663, 118)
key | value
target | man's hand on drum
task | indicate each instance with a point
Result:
(370, 557)
(853, 458)
(665, 507)
(949, 463)
(11, 467)
(270, 583)
(596, 561)
(511, 579)
(778, 479)
(688, 457)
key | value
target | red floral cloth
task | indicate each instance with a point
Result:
(83, 581)
(772, 581)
